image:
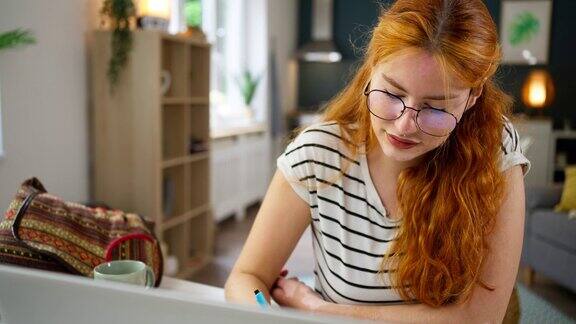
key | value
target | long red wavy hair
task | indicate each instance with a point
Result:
(449, 202)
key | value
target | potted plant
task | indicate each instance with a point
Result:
(248, 83)
(120, 15)
(193, 14)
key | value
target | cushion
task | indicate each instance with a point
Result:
(568, 200)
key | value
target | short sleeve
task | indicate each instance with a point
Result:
(512, 153)
(311, 158)
(293, 164)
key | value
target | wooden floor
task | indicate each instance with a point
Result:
(230, 237)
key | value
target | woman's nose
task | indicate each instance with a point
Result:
(406, 124)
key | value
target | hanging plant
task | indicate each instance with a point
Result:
(16, 37)
(119, 13)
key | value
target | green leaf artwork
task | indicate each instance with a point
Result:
(523, 28)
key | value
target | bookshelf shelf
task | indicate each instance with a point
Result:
(185, 160)
(186, 101)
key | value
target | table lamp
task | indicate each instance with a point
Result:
(154, 14)
(538, 90)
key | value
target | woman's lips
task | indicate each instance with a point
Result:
(399, 143)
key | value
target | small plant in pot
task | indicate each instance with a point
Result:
(193, 14)
(248, 83)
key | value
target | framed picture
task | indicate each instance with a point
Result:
(525, 31)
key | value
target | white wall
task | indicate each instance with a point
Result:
(45, 97)
(283, 34)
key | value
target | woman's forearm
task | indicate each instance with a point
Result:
(414, 313)
(240, 288)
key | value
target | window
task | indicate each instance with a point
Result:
(227, 28)
(222, 21)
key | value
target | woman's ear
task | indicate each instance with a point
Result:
(474, 95)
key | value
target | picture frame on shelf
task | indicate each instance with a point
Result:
(525, 31)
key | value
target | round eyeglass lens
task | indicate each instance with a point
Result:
(385, 105)
(436, 122)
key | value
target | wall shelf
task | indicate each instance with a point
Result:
(177, 220)
(194, 101)
(185, 40)
(185, 160)
(550, 152)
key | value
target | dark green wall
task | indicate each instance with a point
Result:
(353, 20)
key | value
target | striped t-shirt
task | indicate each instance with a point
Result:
(350, 227)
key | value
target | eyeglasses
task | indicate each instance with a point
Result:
(432, 121)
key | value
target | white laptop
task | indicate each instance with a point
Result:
(38, 297)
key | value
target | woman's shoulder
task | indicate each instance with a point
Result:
(319, 141)
(327, 133)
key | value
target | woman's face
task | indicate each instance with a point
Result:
(417, 79)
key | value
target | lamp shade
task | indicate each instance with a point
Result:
(154, 8)
(538, 89)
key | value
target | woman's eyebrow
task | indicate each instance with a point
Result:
(433, 97)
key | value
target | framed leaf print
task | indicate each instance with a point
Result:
(525, 31)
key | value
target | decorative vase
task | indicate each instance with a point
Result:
(195, 33)
(165, 81)
(248, 112)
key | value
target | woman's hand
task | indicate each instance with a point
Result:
(295, 294)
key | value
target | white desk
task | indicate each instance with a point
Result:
(40, 297)
(193, 289)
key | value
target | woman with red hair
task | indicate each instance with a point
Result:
(412, 184)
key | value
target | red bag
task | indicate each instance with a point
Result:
(44, 232)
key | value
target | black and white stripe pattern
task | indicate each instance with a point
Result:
(513, 153)
(350, 226)
(510, 135)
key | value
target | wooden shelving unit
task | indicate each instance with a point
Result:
(143, 159)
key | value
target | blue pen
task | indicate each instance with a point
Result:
(260, 299)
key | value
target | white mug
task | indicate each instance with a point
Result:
(126, 271)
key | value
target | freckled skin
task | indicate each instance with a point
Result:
(421, 76)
